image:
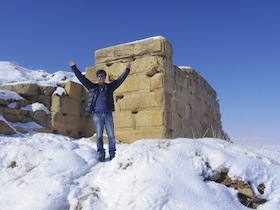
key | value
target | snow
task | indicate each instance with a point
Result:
(35, 107)
(185, 67)
(9, 95)
(11, 73)
(47, 171)
(59, 91)
(142, 40)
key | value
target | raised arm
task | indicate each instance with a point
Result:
(123, 76)
(85, 81)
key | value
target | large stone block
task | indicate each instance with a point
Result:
(42, 118)
(68, 132)
(62, 121)
(123, 119)
(140, 100)
(88, 128)
(157, 46)
(7, 110)
(129, 136)
(135, 83)
(27, 89)
(150, 65)
(15, 115)
(5, 128)
(46, 90)
(74, 90)
(7, 87)
(71, 125)
(65, 104)
(157, 81)
(149, 118)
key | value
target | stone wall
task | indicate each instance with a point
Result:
(30, 94)
(194, 110)
(158, 99)
(66, 112)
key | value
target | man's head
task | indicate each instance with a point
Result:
(101, 75)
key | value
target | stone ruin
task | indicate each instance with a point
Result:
(157, 100)
(66, 114)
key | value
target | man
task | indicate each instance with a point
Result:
(101, 103)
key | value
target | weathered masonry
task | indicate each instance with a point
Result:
(66, 114)
(158, 99)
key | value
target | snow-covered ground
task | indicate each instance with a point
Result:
(48, 171)
(54, 172)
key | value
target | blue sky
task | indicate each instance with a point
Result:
(234, 45)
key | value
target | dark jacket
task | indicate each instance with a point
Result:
(93, 89)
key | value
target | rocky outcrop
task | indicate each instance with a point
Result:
(246, 195)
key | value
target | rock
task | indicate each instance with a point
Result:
(26, 89)
(3, 102)
(20, 129)
(40, 117)
(215, 177)
(5, 128)
(46, 90)
(261, 188)
(12, 164)
(245, 194)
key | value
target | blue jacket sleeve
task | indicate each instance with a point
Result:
(121, 78)
(86, 82)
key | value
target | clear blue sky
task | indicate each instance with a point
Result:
(234, 45)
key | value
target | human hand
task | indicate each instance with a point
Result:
(128, 65)
(72, 63)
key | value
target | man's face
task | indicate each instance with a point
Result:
(101, 78)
